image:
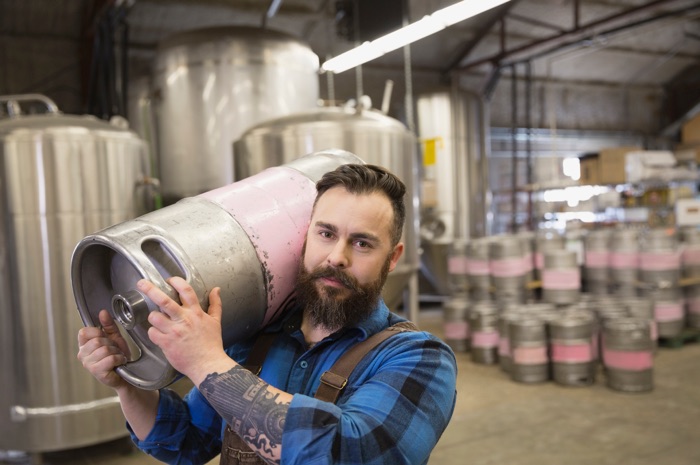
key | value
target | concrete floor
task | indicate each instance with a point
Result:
(498, 421)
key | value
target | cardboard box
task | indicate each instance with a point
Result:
(589, 170)
(611, 164)
(687, 212)
(690, 131)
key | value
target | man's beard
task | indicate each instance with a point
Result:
(327, 308)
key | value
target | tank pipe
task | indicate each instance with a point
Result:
(271, 11)
(513, 148)
(386, 98)
(14, 100)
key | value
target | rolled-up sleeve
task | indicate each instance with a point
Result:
(393, 411)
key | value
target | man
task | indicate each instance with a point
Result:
(396, 404)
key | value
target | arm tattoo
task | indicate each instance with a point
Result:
(252, 411)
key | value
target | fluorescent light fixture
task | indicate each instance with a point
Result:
(424, 27)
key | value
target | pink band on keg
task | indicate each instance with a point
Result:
(274, 210)
(561, 279)
(456, 330)
(509, 267)
(694, 306)
(484, 340)
(623, 360)
(574, 353)
(536, 355)
(668, 311)
(478, 267)
(621, 260)
(691, 256)
(659, 261)
(457, 265)
(504, 346)
(596, 259)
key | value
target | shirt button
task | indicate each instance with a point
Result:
(303, 364)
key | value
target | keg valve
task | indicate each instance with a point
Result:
(130, 309)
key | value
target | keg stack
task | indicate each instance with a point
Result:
(660, 273)
(510, 267)
(690, 270)
(596, 262)
(456, 308)
(624, 262)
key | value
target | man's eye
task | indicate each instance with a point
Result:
(326, 234)
(363, 244)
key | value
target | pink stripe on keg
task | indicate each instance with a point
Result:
(659, 261)
(561, 279)
(456, 330)
(457, 265)
(624, 260)
(274, 209)
(691, 256)
(478, 267)
(509, 267)
(668, 311)
(596, 259)
(574, 353)
(624, 360)
(530, 355)
(484, 340)
(694, 306)
(539, 260)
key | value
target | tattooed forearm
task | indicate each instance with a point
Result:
(253, 411)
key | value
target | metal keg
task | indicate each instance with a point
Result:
(624, 262)
(478, 269)
(596, 261)
(509, 268)
(546, 241)
(505, 359)
(643, 309)
(561, 277)
(660, 258)
(458, 268)
(627, 354)
(455, 323)
(690, 251)
(669, 312)
(483, 325)
(572, 348)
(692, 304)
(246, 238)
(528, 344)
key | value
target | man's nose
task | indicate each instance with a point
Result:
(338, 256)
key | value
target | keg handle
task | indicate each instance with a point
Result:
(12, 102)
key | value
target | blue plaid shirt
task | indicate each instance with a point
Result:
(395, 407)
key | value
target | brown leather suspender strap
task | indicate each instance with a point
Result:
(334, 380)
(258, 352)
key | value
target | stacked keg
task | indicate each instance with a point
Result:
(624, 262)
(573, 346)
(596, 262)
(690, 269)
(659, 272)
(546, 241)
(561, 277)
(456, 308)
(509, 269)
(528, 347)
(627, 354)
(478, 269)
(483, 324)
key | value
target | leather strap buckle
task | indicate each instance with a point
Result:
(333, 380)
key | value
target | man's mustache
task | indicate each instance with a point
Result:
(334, 273)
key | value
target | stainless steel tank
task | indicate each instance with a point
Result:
(453, 127)
(61, 177)
(212, 84)
(246, 238)
(373, 136)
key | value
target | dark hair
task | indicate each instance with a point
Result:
(368, 179)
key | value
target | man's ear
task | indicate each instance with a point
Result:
(395, 255)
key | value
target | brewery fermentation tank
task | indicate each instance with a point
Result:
(453, 128)
(61, 177)
(373, 136)
(245, 238)
(209, 85)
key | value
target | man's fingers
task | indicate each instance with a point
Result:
(215, 306)
(166, 304)
(187, 295)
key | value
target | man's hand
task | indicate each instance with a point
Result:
(102, 349)
(188, 336)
